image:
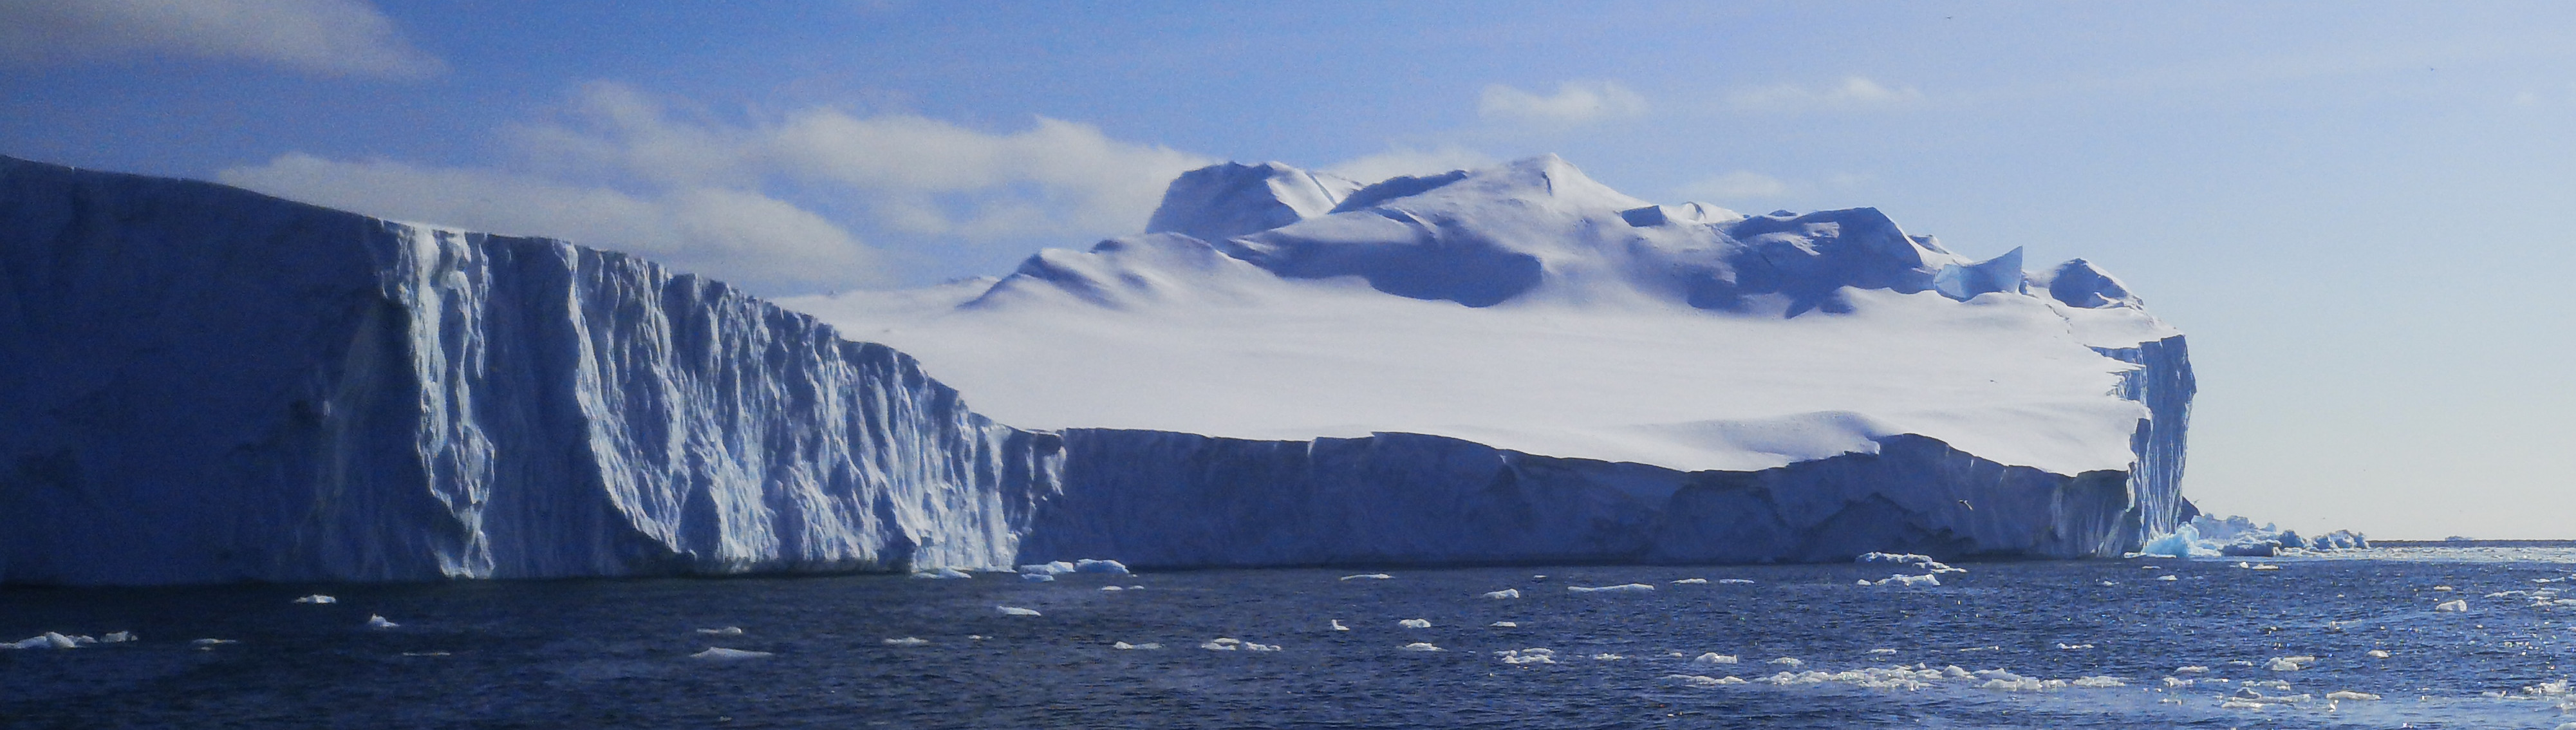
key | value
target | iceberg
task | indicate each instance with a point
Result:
(2204, 536)
(1508, 364)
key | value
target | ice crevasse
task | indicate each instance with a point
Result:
(199, 383)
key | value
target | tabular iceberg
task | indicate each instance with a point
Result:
(1519, 364)
(1513, 364)
(199, 383)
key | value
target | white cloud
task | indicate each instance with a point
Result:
(1575, 102)
(734, 235)
(328, 37)
(1735, 186)
(1409, 161)
(1853, 93)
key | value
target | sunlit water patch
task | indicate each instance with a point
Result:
(2350, 640)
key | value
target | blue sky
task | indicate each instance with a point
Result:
(2359, 211)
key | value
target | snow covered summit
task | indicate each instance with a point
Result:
(1531, 311)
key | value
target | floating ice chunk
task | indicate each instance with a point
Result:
(1422, 646)
(2351, 695)
(317, 598)
(2560, 688)
(1735, 580)
(1135, 588)
(1716, 658)
(1147, 645)
(1608, 657)
(2240, 705)
(2103, 682)
(1222, 643)
(1505, 593)
(1527, 656)
(1250, 646)
(1789, 662)
(941, 574)
(213, 642)
(1037, 577)
(1955, 672)
(2452, 606)
(2190, 670)
(2168, 577)
(1701, 681)
(118, 637)
(1691, 582)
(1100, 566)
(1907, 580)
(718, 653)
(726, 631)
(2265, 566)
(1017, 611)
(907, 641)
(1415, 623)
(1908, 559)
(2073, 647)
(2151, 567)
(1055, 568)
(1504, 625)
(1628, 588)
(2289, 663)
(2177, 682)
(1111, 588)
(379, 622)
(2239, 663)
(1337, 625)
(1875, 652)
(2010, 682)
(49, 640)
(2444, 589)
(1369, 576)
(2378, 653)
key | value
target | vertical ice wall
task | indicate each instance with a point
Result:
(198, 383)
(2163, 382)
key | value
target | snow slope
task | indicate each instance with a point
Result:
(199, 383)
(1526, 315)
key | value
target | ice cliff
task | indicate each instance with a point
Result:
(199, 383)
(1521, 364)
(1511, 364)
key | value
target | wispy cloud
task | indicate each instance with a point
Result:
(619, 169)
(326, 37)
(1575, 102)
(1854, 92)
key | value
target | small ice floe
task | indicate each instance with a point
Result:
(2379, 653)
(1527, 656)
(1738, 581)
(2106, 584)
(1608, 657)
(1135, 588)
(2150, 567)
(907, 641)
(1504, 625)
(211, 643)
(941, 574)
(2351, 695)
(2177, 683)
(1881, 652)
(1337, 625)
(1226, 643)
(379, 622)
(2265, 566)
(117, 637)
(2445, 589)
(726, 631)
(2102, 682)
(1989, 647)
(1369, 576)
(2452, 606)
(1415, 623)
(1111, 567)
(2074, 647)
(2289, 663)
(1505, 593)
(1055, 568)
(2560, 688)
(317, 598)
(1037, 577)
(974, 637)
(1789, 662)
(1716, 658)
(1422, 646)
(49, 640)
(2004, 681)
(2168, 577)
(1628, 588)
(2239, 663)
(1925, 561)
(1701, 681)
(1691, 582)
(1017, 611)
(1906, 580)
(1111, 588)
(718, 653)
(2190, 670)
(1147, 645)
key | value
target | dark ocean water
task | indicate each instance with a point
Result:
(617, 653)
